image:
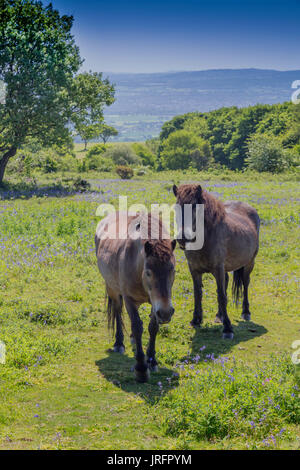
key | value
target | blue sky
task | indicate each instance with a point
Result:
(169, 35)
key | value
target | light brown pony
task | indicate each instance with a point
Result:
(136, 269)
(231, 240)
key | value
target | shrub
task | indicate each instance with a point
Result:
(122, 154)
(145, 154)
(182, 148)
(97, 149)
(101, 164)
(229, 399)
(265, 153)
(125, 172)
(81, 185)
(67, 163)
(202, 155)
(50, 165)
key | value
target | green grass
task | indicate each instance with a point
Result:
(62, 387)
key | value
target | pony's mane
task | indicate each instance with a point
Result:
(214, 210)
(161, 247)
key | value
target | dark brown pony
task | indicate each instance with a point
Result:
(231, 240)
(136, 269)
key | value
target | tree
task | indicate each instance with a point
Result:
(89, 94)
(265, 153)
(147, 157)
(121, 154)
(179, 148)
(106, 132)
(38, 59)
(202, 155)
(88, 133)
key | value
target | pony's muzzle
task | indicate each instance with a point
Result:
(164, 316)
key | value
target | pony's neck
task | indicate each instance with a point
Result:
(214, 210)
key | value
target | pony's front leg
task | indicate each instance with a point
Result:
(198, 314)
(153, 329)
(141, 367)
(220, 277)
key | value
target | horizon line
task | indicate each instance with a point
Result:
(203, 70)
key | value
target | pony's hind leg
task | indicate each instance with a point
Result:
(117, 312)
(219, 318)
(246, 315)
(198, 314)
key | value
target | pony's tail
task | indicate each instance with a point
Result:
(113, 310)
(237, 285)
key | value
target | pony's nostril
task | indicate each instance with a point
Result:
(158, 314)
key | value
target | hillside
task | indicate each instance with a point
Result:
(145, 101)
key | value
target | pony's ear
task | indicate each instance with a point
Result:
(148, 248)
(175, 190)
(199, 194)
(173, 243)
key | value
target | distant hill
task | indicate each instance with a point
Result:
(145, 101)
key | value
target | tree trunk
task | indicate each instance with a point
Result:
(4, 160)
(85, 145)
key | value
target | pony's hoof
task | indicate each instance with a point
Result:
(228, 335)
(218, 319)
(119, 349)
(142, 376)
(152, 366)
(246, 316)
(195, 323)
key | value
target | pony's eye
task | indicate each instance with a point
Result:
(148, 273)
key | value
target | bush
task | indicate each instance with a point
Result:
(230, 399)
(97, 149)
(145, 154)
(50, 165)
(202, 156)
(182, 148)
(81, 185)
(122, 154)
(265, 153)
(125, 172)
(99, 163)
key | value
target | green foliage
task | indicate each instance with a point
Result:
(97, 149)
(122, 154)
(265, 153)
(81, 185)
(202, 156)
(125, 172)
(147, 157)
(228, 130)
(99, 163)
(232, 400)
(38, 51)
(105, 132)
(183, 147)
(88, 132)
(89, 94)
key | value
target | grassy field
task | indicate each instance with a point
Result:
(61, 386)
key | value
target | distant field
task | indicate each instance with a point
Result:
(62, 388)
(145, 101)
